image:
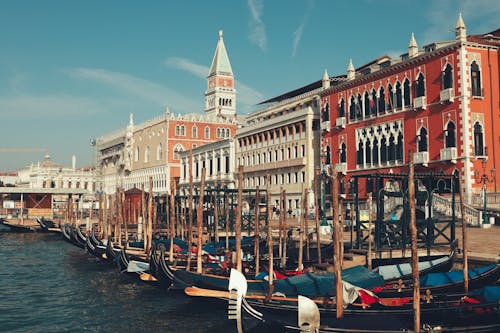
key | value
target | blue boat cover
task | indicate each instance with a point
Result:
(489, 294)
(310, 284)
(457, 276)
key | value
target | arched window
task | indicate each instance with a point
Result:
(420, 86)
(343, 153)
(475, 75)
(367, 104)
(392, 149)
(368, 153)
(399, 96)
(328, 156)
(359, 154)
(146, 155)
(375, 152)
(352, 108)
(159, 152)
(390, 103)
(228, 133)
(326, 112)
(407, 93)
(359, 107)
(341, 108)
(136, 157)
(177, 149)
(381, 100)
(450, 135)
(373, 103)
(383, 150)
(195, 132)
(422, 140)
(478, 140)
(207, 132)
(447, 77)
(399, 148)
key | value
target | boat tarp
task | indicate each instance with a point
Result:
(137, 266)
(489, 294)
(310, 284)
(438, 279)
(390, 272)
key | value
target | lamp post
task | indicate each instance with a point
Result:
(484, 179)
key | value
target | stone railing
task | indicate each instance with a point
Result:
(443, 205)
(492, 199)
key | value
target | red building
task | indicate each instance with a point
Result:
(440, 101)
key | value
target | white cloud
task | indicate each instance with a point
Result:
(184, 64)
(258, 30)
(442, 16)
(147, 90)
(30, 106)
(297, 34)
(246, 95)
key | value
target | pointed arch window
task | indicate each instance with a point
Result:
(343, 153)
(359, 107)
(383, 150)
(373, 103)
(399, 96)
(381, 100)
(475, 75)
(420, 86)
(399, 148)
(341, 108)
(207, 132)
(328, 159)
(407, 93)
(390, 103)
(478, 140)
(194, 131)
(422, 140)
(146, 155)
(447, 81)
(326, 112)
(391, 149)
(177, 149)
(352, 109)
(159, 152)
(367, 104)
(137, 152)
(450, 138)
(375, 152)
(368, 153)
(359, 154)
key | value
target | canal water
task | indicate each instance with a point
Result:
(49, 285)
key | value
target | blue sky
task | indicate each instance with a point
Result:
(74, 70)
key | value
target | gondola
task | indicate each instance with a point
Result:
(94, 247)
(18, 228)
(444, 282)
(131, 265)
(47, 225)
(304, 284)
(112, 252)
(403, 270)
(477, 311)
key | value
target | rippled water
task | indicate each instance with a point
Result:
(49, 285)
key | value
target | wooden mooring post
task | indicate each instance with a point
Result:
(336, 245)
(238, 219)
(414, 246)
(464, 235)
(257, 231)
(199, 223)
(270, 268)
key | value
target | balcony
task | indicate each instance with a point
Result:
(420, 102)
(449, 154)
(341, 168)
(340, 122)
(325, 126)
(447, 95)
(421, 157)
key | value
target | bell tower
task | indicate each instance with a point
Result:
(220, 96)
